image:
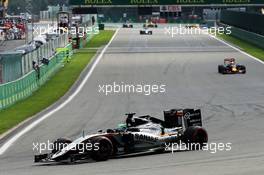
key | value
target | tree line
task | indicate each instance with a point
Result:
(16, 7)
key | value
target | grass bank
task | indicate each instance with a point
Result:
(245, 46)
(55, 88)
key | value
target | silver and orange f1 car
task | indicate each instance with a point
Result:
(138, 135)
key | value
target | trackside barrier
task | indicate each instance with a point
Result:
(252, 22)
(45, 51)
(15, 91)
(250, 37)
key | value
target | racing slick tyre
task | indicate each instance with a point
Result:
(105, 149)
(221, 69)
(243, 68)
(195, 137)
(59, 144)
(244, 71)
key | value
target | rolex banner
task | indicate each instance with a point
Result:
(165, 2)
(170, 8)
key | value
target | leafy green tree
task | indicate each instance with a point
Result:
(18, 6)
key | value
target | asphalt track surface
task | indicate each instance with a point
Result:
(232, 107)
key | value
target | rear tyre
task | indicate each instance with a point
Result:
(104, 151)
(195, 137)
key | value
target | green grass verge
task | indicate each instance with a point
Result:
(54, 89)
(244, 45)
(101, 39)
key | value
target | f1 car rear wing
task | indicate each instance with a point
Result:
(182, 118)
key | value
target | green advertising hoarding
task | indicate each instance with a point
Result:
(165, 2)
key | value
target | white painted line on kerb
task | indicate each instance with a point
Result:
(237, 49)
(11, 141)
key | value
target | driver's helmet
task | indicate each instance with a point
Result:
(122, 126)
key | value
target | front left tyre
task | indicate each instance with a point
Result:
(243, 69)
(105, 149)
(59, 144)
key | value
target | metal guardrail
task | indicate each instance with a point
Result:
(15, 64)
(250, 37)
(14, 91)
(45, 51)
(252, 22)
(17, 90)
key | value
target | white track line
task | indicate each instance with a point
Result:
(237, 49)
(9, 143)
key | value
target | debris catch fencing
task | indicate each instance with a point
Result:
(23, 87)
